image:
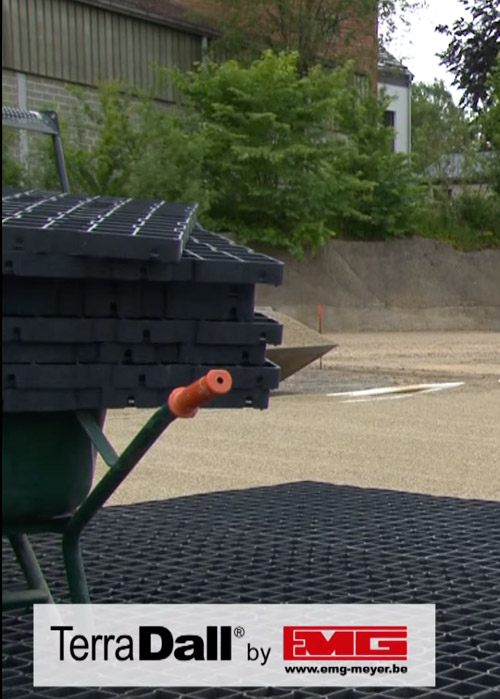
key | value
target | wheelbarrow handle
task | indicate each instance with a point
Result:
(182, 402)
(185, 401)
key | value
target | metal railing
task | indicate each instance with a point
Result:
(45, 122)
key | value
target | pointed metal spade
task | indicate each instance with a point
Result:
(293, 359)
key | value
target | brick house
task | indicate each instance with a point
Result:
(355, 36)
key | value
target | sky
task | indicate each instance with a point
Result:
(417, 46)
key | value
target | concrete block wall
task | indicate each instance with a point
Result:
(9, 88)
(33, 92)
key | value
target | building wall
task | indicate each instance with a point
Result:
(358, 41)
(34, 92)
(9, 88)
(72, 42)
(401, 106)
(50, 44)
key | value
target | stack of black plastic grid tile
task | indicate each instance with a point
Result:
(112, 302)
(298, 543)
(102, 226)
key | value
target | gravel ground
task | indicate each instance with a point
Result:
(445, 443)
(471, 354)
(295, 333)
(366, 360)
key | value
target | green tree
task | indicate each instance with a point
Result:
(469, 219)
(473, 50)
(438, 127)
(269, 148)
(292, 160)
(106, 165)
(311, 28)
(490, 123)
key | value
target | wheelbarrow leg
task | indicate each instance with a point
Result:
(38, 589)
(120, 467)
(75, 570)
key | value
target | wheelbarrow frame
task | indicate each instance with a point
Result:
(182, 402)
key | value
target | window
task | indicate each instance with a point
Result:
(390, 122)
(390, 118)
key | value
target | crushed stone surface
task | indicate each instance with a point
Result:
(295, 333)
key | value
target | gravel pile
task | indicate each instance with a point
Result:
(295, 333)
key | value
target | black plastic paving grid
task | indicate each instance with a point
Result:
(129, 376)
(296, 543)
(207, 257)
(89, 225)
(114, 353)
(51, 387)
(91, 298)
(111, 398)
(58, 330)
(14, 112)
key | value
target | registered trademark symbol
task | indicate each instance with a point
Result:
(239, 631)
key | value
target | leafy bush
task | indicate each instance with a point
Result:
(386, 192)
(438, 127)
(490, 121)
(467, 221)
(169, 157)
(267, 159)
(140, 149)
(291, 160)
(106, 166)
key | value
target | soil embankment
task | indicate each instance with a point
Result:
(402, 285)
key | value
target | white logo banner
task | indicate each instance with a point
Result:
(234, 645)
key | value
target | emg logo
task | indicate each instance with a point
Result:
(305, 643)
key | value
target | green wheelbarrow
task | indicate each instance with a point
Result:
(48, 465)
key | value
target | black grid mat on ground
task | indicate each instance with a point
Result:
(296, 543)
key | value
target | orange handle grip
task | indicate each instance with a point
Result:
(185, 401)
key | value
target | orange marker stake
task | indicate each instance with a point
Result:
(186, 400)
